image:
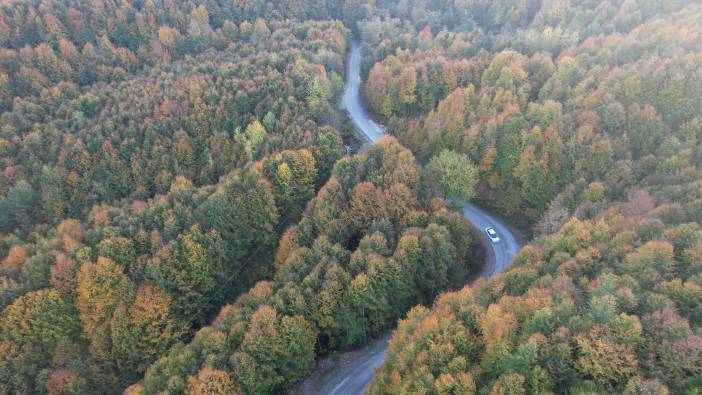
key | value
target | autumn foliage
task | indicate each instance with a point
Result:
(583, 128)
(366, 249)
(177, 215)
(148, 171)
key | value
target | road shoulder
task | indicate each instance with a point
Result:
(337, 366)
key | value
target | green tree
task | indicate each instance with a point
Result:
(119, 249)
(252, 139)
(327, 149)
(243, 212)
(274, 351)
(40, 319)
(293, 174)
(454, 173)
(18, 207)
(190, 270)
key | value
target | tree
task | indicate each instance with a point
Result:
(293, 176)
(367, 206)
(325, 293)
(319, 90)
(32, 329)
(260, 31)
(555, 216)
(144, 330)
(251, 139)
(243, 212)
(637, 386)
(387, 162)
(66, 381)
(327, 150)
(611, 364)
(190, 269)
(101, 287)
(119, 249)
(408, 86)
(39, 319)
(653, 262)
(275, 350)
(63, 275)
(211, 382)
(509, 384)
(454, 173)
(201, 15)
(15, 258)
(18, 207)
(674, 352)
(297, 340)
(289, 243)
(445, 126)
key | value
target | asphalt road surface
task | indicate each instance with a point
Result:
(352, 103)
(354, 376)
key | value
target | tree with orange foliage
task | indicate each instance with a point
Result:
(211, 382)
(142, 331)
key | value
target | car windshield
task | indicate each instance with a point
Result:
(491, 232)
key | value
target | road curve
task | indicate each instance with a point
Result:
(353, 378)
(370, 131)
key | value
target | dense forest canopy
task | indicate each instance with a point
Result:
(367, 248)
(584, 121)
(177, 214)
(135, 202)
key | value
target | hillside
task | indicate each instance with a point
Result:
(134, 206)
(178, 213)
(587, 128)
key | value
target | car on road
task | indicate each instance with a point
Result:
(492, 234)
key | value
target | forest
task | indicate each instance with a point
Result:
(584, 123)
(178, 213)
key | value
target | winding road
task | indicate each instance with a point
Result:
(354, 376)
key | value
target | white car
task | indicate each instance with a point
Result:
(492, 234)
